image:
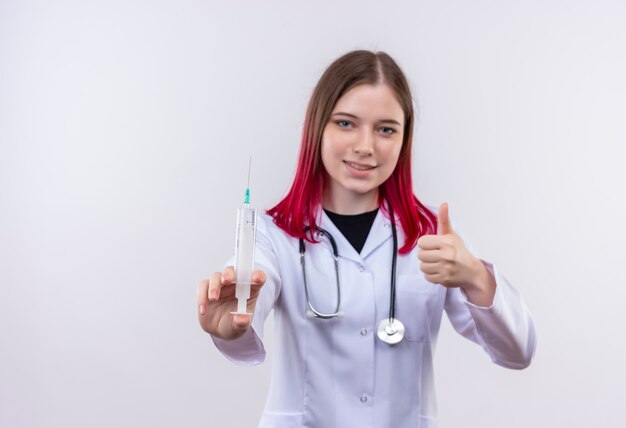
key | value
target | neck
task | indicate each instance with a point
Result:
(348, 203)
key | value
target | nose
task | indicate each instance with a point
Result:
(364, 145)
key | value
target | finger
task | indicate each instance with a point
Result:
(444, 226)
(430, 242)
(258, 280)
(258, 277)
(228, 276)
(202, 297)
(215, 286)
(433, 278)
(430, 268)
(429, 256)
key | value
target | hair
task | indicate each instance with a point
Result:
(300, 207)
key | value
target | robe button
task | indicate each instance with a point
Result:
(363, 332)
(361, 268)
(363, 398)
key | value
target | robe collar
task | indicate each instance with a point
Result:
(378, 235)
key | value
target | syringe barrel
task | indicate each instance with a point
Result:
(244, 249)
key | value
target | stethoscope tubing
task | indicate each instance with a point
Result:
(394, 259)
(392, 298)
(333, 244)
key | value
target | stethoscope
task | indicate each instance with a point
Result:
(390, 330)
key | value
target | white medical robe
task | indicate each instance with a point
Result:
(335, 373)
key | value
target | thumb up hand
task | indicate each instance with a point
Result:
(444, 258)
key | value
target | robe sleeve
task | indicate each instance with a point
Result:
(505, 330)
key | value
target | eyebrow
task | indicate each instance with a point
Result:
(356, 117)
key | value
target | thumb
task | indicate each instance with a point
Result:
(241, 322)
(444, 226)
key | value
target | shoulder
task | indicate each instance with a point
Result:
(265, 222)
(268, 229)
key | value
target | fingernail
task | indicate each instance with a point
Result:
(202, 309)
(213, 295)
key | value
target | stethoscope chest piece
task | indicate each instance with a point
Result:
(390, 331)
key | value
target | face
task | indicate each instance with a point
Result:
(361, 144)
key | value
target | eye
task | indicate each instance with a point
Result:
(387, 131)
(343, 123)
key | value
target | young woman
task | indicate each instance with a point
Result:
(357, 318)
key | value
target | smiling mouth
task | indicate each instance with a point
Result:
(358, 166)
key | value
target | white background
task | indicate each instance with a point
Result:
(125, 131)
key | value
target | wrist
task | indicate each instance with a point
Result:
(476, 280)
(480, 290)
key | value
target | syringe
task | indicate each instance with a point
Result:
(245, 240)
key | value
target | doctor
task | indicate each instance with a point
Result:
(355, 337)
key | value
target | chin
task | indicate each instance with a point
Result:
(361, 191)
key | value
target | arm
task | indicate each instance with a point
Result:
(504, 329)
(239, 337)
(480, 303)
(481, 289)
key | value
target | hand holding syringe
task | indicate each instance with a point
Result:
(236, 287)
